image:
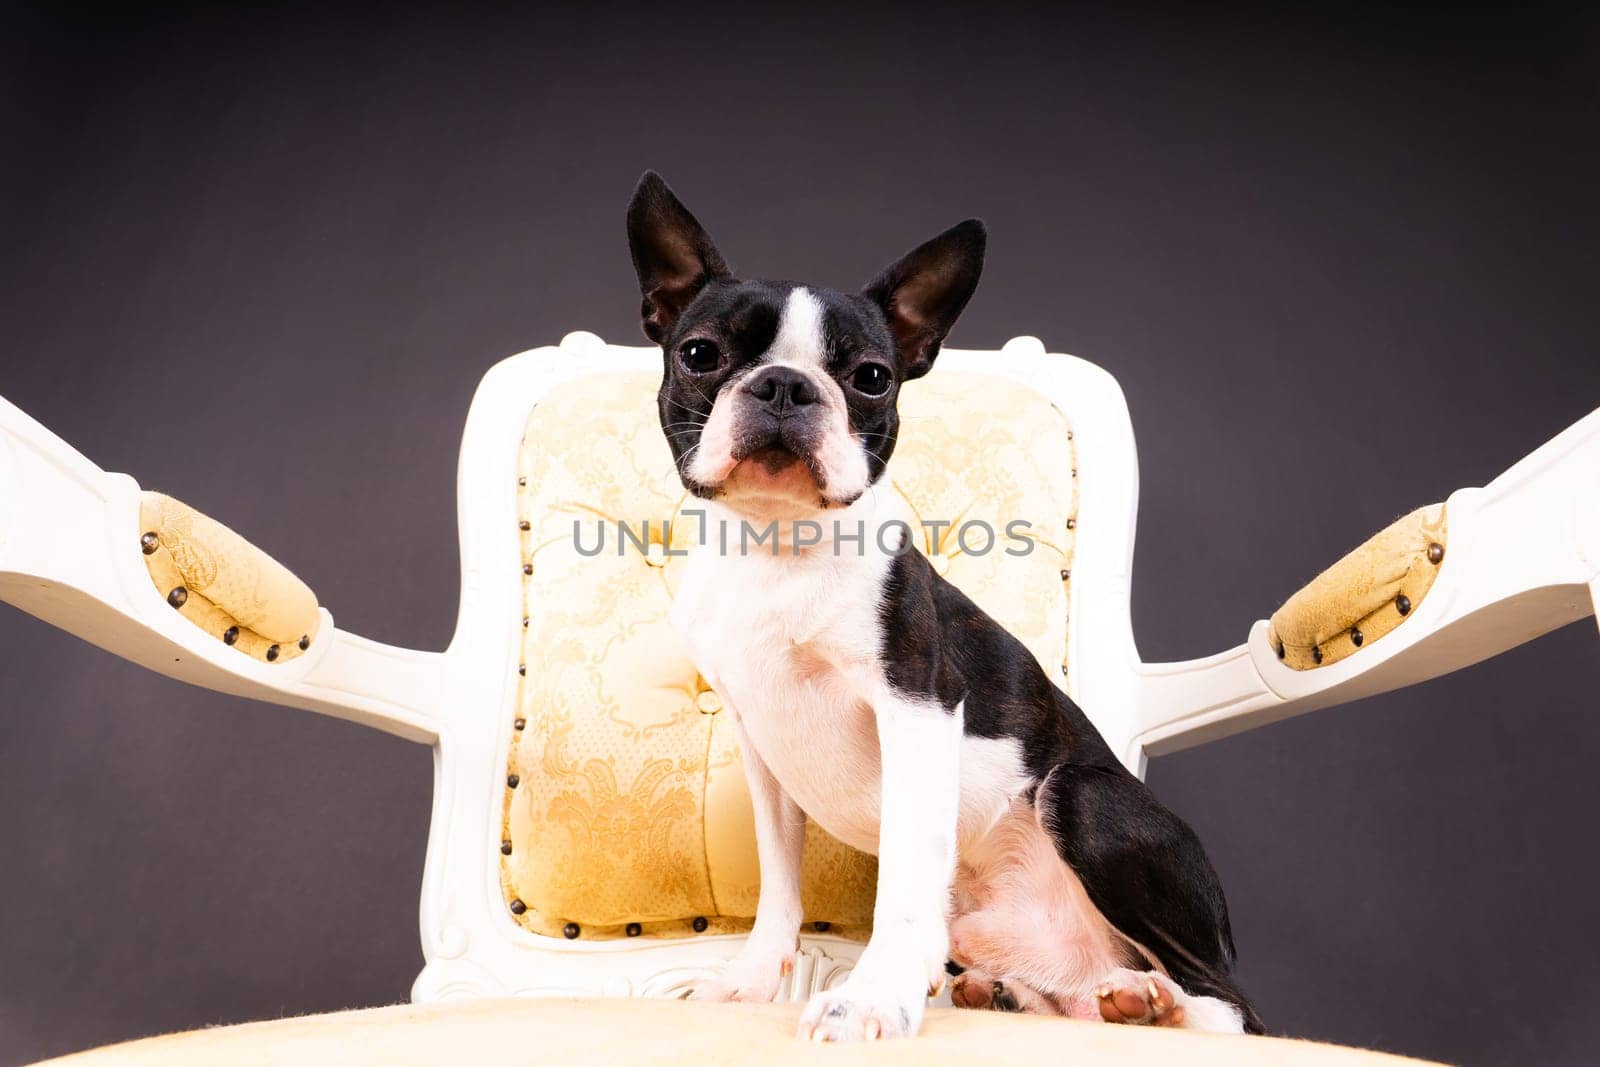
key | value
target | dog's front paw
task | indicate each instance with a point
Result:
(864, 1009)
(753, 979)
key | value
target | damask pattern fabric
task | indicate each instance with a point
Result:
(1365, 595)
(230, 588)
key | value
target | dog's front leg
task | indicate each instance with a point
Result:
(887, 993)
(768, 954)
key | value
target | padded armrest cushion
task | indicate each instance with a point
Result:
(1363, 596)
(224, 584)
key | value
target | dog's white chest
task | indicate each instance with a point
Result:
(788, 644)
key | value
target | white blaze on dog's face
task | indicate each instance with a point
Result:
(780, 398)
(779, 429)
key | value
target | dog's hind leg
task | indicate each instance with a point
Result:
(1145, 871)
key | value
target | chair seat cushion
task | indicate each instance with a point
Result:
(661, 1032)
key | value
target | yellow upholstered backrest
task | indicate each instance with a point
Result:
(626, 812)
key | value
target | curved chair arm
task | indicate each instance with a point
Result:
(86, 551)
(1439, 589)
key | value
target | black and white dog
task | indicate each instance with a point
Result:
(874, 697)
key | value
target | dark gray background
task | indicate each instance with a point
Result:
(1340, 268)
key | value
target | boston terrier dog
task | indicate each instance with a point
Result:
(1015, 852)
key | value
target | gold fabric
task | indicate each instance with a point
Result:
(630, 805)
(228, 583)
(669, 1033)
(1362, 594)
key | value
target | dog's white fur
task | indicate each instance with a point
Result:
(789, 636)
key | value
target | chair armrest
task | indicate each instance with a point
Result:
(1439, 589)
(86, 551)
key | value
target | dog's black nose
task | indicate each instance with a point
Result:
(782, 389)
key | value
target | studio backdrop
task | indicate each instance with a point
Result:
(1340, 269)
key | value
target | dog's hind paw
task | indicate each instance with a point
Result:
(983, 992)
(1141, 998)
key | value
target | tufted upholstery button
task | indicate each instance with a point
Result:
(518, 907)
(505, 847)
(272, 654)
(571, 931)
(230, 635)
(655, 554)
(821, 927)
(634, 929)
(1435, 553)
(304, 642)
(178, 597)
(1316, 654)
(1402, 604)
(511, 781)
(1357, 637)
(149, 543)
(700, 924)
(520, 723)
(708, 702)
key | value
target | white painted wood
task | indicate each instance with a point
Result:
(1523, 554)
(69, 537)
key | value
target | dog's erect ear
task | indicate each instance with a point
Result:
(922, 294)
(672, 254)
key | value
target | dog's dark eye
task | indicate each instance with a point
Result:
(871, 378)
(699, 357)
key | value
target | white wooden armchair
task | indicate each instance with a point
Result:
(590, 835)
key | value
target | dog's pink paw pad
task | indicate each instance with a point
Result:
(1146, 999)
